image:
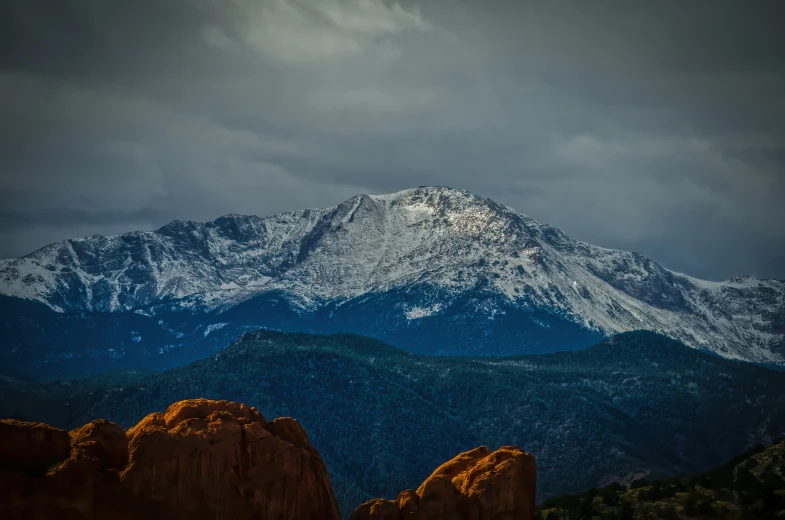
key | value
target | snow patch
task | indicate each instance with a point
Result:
(258, 282)
(213, 327)
(398, 195)
(422, 312)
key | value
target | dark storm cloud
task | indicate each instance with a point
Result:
(650, 126)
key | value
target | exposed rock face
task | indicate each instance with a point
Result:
(379, 509)
(44, 475)
(475, 485)
(28, 446)
(223, 460)
(103, 440)
(200, 459)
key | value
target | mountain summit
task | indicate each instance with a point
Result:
(432, 269)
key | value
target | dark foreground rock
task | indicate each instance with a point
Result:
(200, 459)
(31, 447)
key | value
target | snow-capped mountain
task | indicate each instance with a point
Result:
(435, 270)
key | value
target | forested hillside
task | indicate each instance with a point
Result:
(750, 486)
(635, 405)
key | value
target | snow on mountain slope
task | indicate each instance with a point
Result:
(440, 243)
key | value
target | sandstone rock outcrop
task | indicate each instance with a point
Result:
(223, 460)
(104, 441)
(31, 447)
(200, 459)
(475, 485)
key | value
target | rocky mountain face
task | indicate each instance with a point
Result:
(433, 270)
(474, 485)
(200, 460)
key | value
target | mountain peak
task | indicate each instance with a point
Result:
(431, 193)
(428, 255)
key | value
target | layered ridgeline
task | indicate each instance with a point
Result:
(432, 270)
(635, 405)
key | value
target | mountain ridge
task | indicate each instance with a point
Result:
(421, 257)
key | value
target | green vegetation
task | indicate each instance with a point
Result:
(637, 404)
(749, 487)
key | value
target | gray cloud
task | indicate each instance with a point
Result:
(649, 126)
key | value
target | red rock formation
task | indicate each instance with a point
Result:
(30, 446)
(199, 460)
(75, 485)
(222, 460)
(378, 509)
(103, 440)
(475, 485)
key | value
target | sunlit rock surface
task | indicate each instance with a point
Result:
(475, 485)
(199, 459)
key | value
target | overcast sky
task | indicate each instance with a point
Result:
(652, 126)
